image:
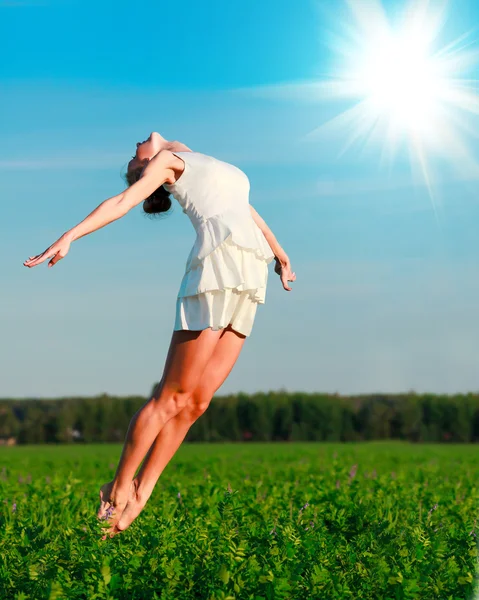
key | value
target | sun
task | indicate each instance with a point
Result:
(402, 83)
(408, 90)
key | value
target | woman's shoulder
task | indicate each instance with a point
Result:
(185, 163)
(194, 159)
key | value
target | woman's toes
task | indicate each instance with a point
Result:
(111, 532)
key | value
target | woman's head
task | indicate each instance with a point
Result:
(159, 201)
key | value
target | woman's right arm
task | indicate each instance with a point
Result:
(158, 171)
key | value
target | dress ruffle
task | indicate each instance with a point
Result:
(228, 267)
(216, 309)
(235, 224)
(230, 253)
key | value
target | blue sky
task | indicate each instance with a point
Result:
(386, 297)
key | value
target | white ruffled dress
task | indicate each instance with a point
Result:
(227, 269)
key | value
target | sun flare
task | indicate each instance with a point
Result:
(408, 90)
(402, 83)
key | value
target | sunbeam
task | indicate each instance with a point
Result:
(408, 91)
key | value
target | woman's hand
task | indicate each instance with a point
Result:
(283, 269)
(56, 252)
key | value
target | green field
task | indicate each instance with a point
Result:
(314, 521)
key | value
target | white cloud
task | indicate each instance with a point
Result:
(301, 91)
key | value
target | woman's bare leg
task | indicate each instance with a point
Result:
(189, 353)
(174, 432)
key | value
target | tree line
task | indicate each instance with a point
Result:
(272, 416)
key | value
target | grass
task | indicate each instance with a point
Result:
(246, 521)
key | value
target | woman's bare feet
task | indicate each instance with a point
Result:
(119, 513)
(136, 503)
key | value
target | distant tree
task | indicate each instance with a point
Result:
(9, 425)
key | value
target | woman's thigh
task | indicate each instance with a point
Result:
(220, 364)
(187, 358)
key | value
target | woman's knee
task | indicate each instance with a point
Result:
(199, 402)
(171, 401)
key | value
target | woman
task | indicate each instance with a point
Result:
(225, 280)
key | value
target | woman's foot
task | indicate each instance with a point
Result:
(112, 505)
(136, 503)
(106, 503)
(120, 517)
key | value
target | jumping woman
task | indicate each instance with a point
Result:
(225, 280)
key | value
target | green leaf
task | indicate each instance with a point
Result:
(224, 574)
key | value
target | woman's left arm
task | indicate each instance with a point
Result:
(283, 265)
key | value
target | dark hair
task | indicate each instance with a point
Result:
(159, 201)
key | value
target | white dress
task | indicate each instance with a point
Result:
(227, 269)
